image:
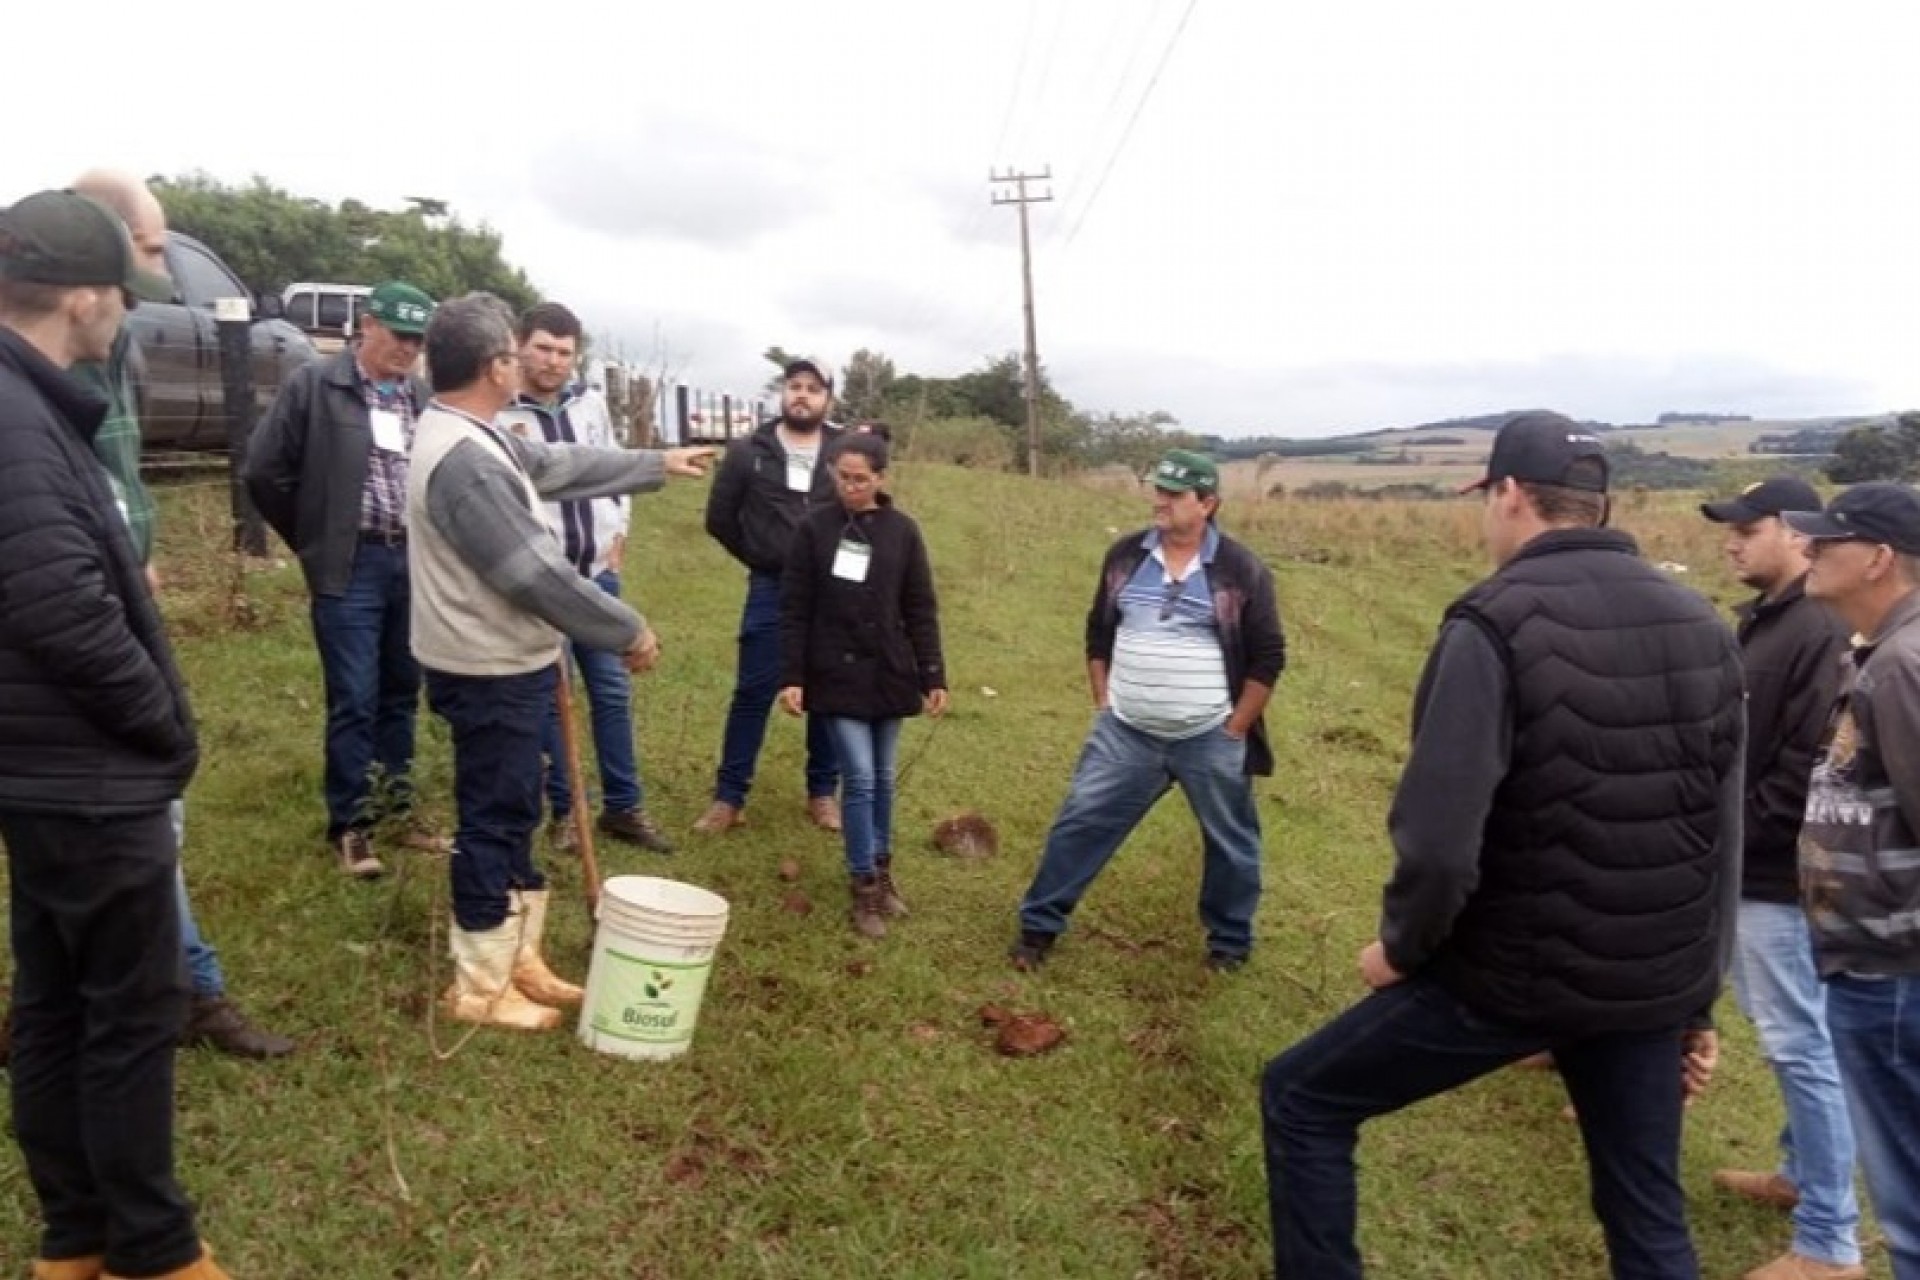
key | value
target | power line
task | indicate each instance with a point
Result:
(1127, 133)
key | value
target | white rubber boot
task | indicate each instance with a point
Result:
(483, 990)
(530, 973)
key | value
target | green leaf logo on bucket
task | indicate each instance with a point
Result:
(655, 987)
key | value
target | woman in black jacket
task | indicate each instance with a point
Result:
(860, 647)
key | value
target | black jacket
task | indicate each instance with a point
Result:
(307, 466)
(1244, 609)
(1602, 896)
(1791, 648)
(866, 649)
(750, 510)
(93, 716)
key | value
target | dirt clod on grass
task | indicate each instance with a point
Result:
(966, 835)
(796, 903)
(1022, 1035)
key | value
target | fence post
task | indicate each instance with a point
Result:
(233, 319)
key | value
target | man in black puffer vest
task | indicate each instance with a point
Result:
(1567, 843)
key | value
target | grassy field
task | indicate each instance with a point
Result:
(842, 1113)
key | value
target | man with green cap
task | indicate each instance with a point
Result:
(328, 470)
(1183, 648)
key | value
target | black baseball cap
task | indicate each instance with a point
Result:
(1770, 497)
(1878, 512)
(1541, 448)
(60, 238)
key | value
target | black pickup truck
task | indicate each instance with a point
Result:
(176, 363)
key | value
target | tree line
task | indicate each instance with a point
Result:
(274, 238)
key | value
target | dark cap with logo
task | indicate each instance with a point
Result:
(60, 238)
(400, 307)
(1183, 469)
(1770, 497)
(809, 364)
(1541, 448)
(1878, 512)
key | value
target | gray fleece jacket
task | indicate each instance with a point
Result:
(493, 593)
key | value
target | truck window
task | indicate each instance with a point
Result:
(201, 279)
(300, 310)
(335, 312)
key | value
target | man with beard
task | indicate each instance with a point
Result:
(766, 484)
(1791, 649)
(96, 741)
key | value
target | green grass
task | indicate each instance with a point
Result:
(841, 1113)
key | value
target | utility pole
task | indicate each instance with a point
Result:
(1021, 198)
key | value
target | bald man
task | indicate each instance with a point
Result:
(212, 1018)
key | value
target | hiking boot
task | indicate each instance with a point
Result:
(719, 818)
(1797, 1266)
(892, 905)
(217, 1022)
(633, 826)
(355, 855)
(868, 912)
(1226, 961)
(561, 836)
(1770, 1189)
(824, 812)
(1030, 952)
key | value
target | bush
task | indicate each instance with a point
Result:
(981, 443)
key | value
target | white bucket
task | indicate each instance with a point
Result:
(652, 954)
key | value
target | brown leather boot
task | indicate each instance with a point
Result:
(719, 819)
(91, 1268)
(868, 912)
(824, 812)
(891, 903)
(217, 1022)
(1770, 1189)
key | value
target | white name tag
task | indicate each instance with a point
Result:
(799, 474)
(388, 435)
(850, 561)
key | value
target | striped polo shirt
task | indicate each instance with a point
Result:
(1169, 675)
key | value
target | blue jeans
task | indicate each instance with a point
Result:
(1779, 989)
(610, 696)
(1876, 1034)
(373, 686)
(867, 750)
(1121, 775)
(754, 689)
(1413, 1040)
(496, 723)
(203, 962)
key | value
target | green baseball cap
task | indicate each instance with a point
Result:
(60, 238)
(1183, 469)
(400, 307)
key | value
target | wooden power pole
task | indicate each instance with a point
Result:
(1021, 198)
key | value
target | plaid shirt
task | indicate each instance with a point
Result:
(117, 443)
(383, 501)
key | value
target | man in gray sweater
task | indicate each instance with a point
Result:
(493, 599)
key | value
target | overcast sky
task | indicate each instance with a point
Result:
(1319, 217)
